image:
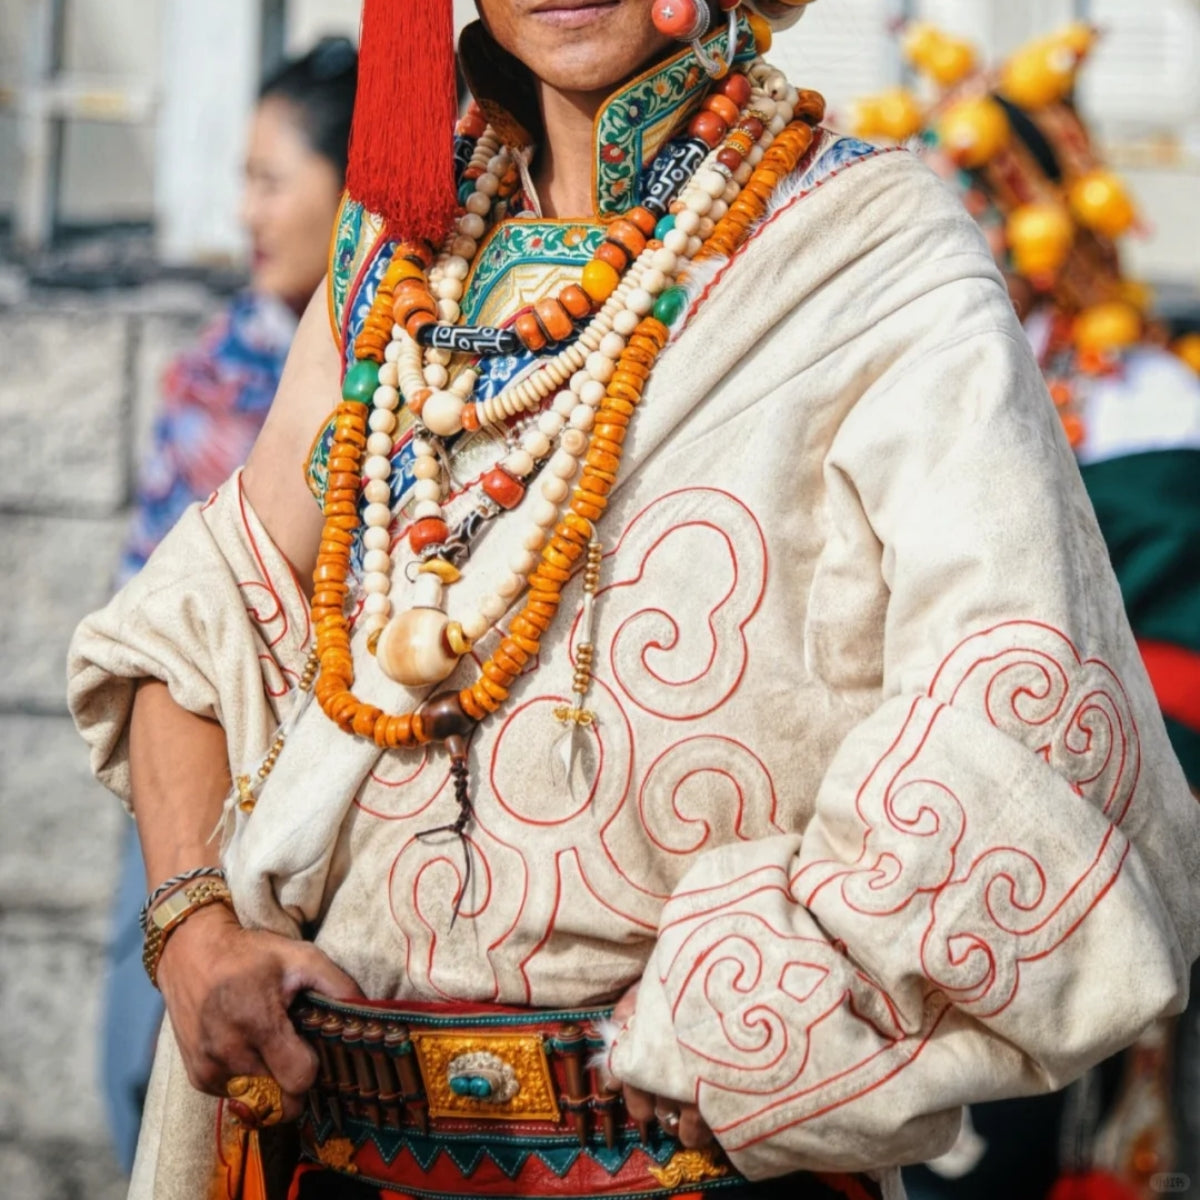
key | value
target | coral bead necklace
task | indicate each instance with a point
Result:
(576, 408)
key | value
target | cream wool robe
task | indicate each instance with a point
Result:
(878, 804)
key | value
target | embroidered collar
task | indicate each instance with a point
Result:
(633, 124)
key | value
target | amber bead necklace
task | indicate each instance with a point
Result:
(584, 398)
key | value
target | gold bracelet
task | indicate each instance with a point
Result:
(170, 913)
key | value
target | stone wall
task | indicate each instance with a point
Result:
(78, 383)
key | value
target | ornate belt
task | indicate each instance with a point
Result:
(452, 1100)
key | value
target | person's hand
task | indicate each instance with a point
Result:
(228, 991)
(682, 1121)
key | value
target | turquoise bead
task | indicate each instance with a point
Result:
(471, 1085)
(361, 381)
(664, 226)
(671, 305)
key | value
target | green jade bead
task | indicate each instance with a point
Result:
(361, 381)
(664, 226)
(670, 306)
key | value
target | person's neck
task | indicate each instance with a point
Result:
(563, 170)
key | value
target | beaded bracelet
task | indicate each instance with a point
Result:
(170, 885)
(166, 917)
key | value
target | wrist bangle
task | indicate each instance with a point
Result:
(167, 916)
(169, 885)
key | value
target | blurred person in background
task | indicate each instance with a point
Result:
(1013, 144)
(215, 397)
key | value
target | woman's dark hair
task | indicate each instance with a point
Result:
(320, 86)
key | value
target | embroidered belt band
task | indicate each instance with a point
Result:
(447, 1100)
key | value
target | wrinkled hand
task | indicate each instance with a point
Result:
(228, 991)
(691, 1129)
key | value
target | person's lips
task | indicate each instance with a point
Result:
(573, 14)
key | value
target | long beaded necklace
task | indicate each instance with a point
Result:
(751, 132)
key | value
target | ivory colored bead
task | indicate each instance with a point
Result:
(464, 247)
(625, 322)
(694, 246)
(378, 514)
(653, 281)
(776, 125)
(442, 413)
(510, 586)
(475, 626)
(563, 465)
(436, 376)
(710, 181)
(487, 183)
(389, 376)
(377, 561)
(377, 605)
(386, 397)
(755, 156)
(493, 607)
(534, 539)
(411, 649)
(536, 443)
(522, 562)
(376, 539)
(665, 260)
(583, 418)
(427, 489)
(685, 224)
(377, 491)
(427, 592)
(612, 345)
(379, 443)
(426, 467)
(545, 514)
(449, 289)
(479, 204)
(382, 421)
(374, 622)
(498, 165)
(564, 404)
(448, 312)
(392, 353)
(600, 367)
(743, 173)
(376, 583)
(555, 490)
(639, 301)
(550, 424)
(439, 356)
(573, 442)
(377, 467)
(472, 224)
(718, 210)
(457, 268)
(578, 380)
(699, 202)
(423, 448)
(427, 509)
(518, 463)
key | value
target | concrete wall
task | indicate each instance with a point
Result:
(77, 392)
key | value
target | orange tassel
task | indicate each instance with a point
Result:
(401, 145)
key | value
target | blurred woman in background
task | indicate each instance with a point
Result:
(215, 397)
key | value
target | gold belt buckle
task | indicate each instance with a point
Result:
(487, 1076)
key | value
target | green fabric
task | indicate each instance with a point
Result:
(1148, 506)
(1185, 741)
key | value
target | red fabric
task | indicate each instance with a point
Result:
(1094, 1185)
(401, 146)
(1175, 675)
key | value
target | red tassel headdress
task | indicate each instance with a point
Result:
(401, 145)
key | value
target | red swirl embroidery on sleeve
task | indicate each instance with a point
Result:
(786, 1014)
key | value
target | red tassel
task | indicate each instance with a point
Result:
(1093, 1185)
(401, 145)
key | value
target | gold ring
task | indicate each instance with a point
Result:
(255, 1100)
